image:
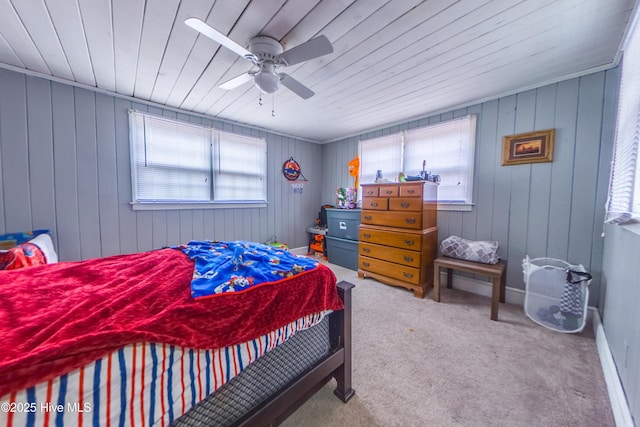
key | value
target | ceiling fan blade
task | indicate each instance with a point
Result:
(295, 86)
(314, 48)
(218, 37)
(236, 81)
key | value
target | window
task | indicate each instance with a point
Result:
(384, 154)
(623, 204)
(446, 148)
(239, 168)
(175, 164)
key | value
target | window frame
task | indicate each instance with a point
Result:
(468, 204)
(212, 203)
(623, 201)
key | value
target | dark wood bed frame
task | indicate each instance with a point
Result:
(337, 364)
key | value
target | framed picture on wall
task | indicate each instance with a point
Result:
(531, 147)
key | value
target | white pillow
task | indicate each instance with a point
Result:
(44, 242)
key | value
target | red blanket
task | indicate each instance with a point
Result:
(58, 317)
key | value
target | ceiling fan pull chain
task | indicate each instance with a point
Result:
(273, 105)
(260, 99)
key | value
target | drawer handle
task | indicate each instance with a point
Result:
(367, 217)
(404, 205)
(388, 192)
(408, 275)
(410, 220)
(411, 191)
(408, 258)
(366, 235)
(366, 264)
(374, 204)
(366, 250)
(409, 242)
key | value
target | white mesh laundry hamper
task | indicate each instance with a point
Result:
(556, 293)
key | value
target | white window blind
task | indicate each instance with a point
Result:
(623, 204)
(380, 154)
(170, 159)
(174, 162)
(447, 148)
(239, 167)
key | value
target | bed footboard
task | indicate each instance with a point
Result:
(340, 332)
(336, 365)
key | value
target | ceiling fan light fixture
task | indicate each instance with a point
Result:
(267, 80)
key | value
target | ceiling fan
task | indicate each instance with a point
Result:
(267, 55)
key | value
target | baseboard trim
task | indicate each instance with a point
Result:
(299, 251)
(619, 405)
(484, 288)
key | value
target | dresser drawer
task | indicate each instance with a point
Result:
(411, 190)
(400, 256)
(404, 204)
(375, 203)
(389, 269)
(388, 191)
(391, 238)
(370, 191)
(411, 220)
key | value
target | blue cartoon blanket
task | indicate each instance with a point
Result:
(224, 267)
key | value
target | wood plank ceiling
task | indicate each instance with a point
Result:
(393, 60)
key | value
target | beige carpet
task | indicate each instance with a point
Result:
(421, 363)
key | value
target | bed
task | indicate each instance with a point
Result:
(129, 340)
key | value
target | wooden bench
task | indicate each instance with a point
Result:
(495, 271)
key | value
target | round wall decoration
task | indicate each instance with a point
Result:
(291, 170)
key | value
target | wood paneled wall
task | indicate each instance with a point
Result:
(545, 209)
(619, 307)
(64, 154)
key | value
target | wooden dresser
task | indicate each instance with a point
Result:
(399, 234)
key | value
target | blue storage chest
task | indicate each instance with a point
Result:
(343, 223)
(342, 237)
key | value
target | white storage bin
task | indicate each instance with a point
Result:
(556, 293)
